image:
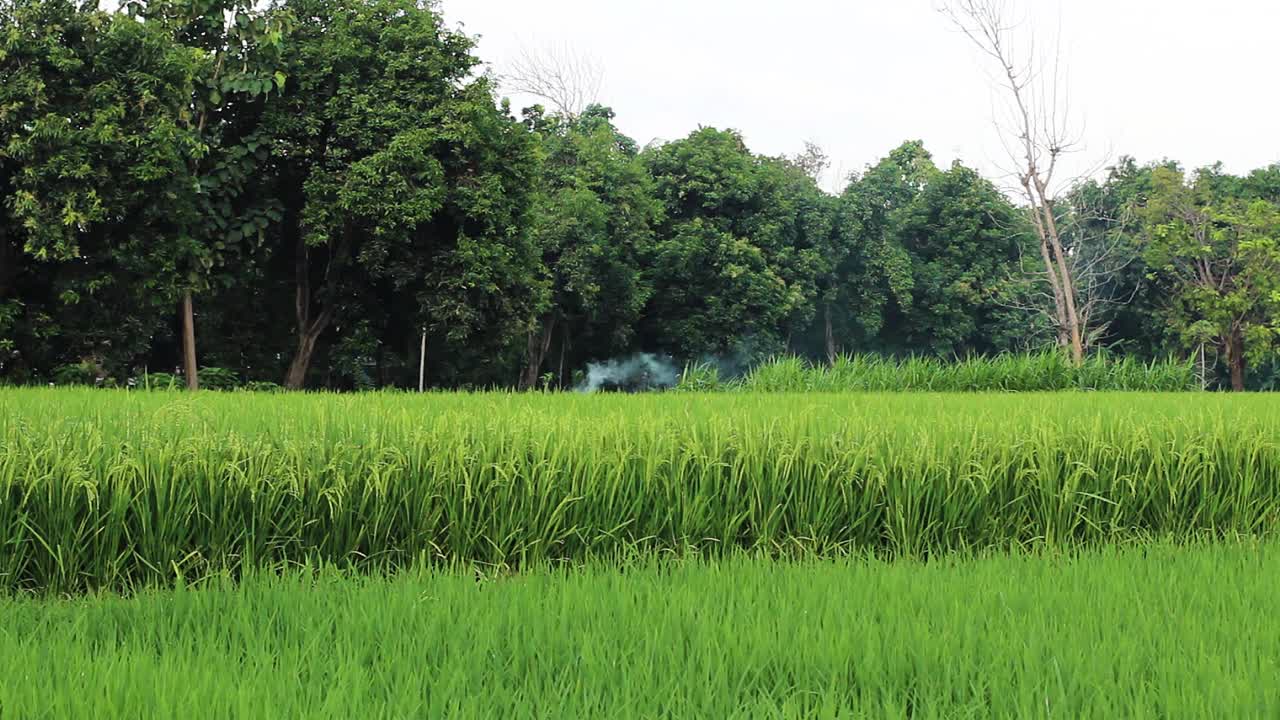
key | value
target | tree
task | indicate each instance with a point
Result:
(567, 80)
(872, 271)
(402, 181)
(1119, 294)
(733, 261)
(593, 222)
(1222, 255)
(236, 52)
(1037, 136)
(963, 237)
(91, 138)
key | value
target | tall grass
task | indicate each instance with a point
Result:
(109, 488)
(1048, 371)
(1151, 632)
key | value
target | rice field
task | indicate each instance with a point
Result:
(116, 489)
(1151, 631)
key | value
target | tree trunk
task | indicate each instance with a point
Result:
(422, 363)
(1235, 359)
(296, 378)
(1070, 334)
(829, 335)
(1075, 330)
(536, 353)
(564, 345)
(310, 328)
(189, 342)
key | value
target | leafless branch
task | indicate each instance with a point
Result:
(1036, 134)
(568, 80)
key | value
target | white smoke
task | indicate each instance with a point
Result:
(641, 371)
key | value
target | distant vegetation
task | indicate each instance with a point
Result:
(309, 193)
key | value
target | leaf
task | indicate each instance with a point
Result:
(280, 78)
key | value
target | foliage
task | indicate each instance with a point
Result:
(81, 373)
(734, 256)
(160, 381)
(90, 137)
(336, 183)
(593, 222)
(216, 378)
(1221, 255)
(964, 240)
(402, 181)
(874, 270)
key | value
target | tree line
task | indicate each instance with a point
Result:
(330, 194)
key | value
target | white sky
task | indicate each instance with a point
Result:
(1193, 80)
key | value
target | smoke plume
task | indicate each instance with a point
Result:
(641, 371)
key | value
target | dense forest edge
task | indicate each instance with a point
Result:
(331, 194)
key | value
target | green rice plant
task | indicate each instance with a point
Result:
(1037, 372)
(115, 489)
(1147, 631)
(785, 374)
(699, 377)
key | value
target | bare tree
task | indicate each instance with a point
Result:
(1096, 252)
(1036, 134)
(567, 80)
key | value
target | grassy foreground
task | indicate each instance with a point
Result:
(115, 489)
(1144, 632)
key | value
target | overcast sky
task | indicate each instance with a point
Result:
(1191, 80)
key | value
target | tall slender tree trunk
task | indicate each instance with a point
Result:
(1058, 272)
(1071, 309)
(189, 342)
(422, 363)
(564, 345)
(830, 335)
(539, 342)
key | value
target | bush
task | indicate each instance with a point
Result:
(81, 373)
(160, 381)
(216, 378)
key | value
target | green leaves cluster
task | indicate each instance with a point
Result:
(1214, 243)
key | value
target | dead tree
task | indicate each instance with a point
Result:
(1036, 136)
(567, 80)
(1097, 254)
